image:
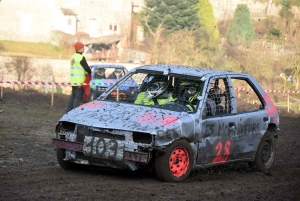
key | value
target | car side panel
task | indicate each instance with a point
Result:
(231, 138)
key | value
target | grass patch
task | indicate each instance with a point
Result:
(35, 49)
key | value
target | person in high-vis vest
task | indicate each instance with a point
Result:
(79, 69)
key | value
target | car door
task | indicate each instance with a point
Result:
(217, 127)
(251, 120)
(233, 134)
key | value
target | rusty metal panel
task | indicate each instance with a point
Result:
(136, 156)
(63, 144)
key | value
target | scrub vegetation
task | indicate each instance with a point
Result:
(266, 47)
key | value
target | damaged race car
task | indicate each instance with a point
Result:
(182, 118)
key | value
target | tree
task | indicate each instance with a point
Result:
(156, 35)
(285, 11)
(21, 65)
(186, 53)
(174, 15)
(296, 75)
(208, 32)
(240, 29)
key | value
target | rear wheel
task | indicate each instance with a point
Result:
(175, 165)
(265, 153)
(67, 165)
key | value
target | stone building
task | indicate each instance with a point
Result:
(91, 21)
(105, 26)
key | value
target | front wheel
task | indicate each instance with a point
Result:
(61, 154)
(92, 95)
(265, 153)
(175, 165)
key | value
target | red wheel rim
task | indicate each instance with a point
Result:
(179, 161)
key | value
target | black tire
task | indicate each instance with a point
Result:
(265, 153)
(170, 170)
(67, 165)
(92, 96)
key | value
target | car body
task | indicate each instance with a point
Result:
(100, 84)
(182, 119)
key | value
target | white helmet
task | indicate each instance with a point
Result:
(118, 71)
(156, 88)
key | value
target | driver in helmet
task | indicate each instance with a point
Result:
(100, 73)
(156, 93)
(117, 74)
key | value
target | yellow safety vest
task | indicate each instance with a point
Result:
(77, 72)
(142, 99)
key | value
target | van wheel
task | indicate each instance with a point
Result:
(67, 165)
(175, 165)
(265, 153)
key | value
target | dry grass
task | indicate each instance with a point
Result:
(28, 109)
(41, 50)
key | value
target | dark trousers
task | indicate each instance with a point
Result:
(76, 97)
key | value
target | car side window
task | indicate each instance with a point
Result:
(246, 98)
(217, 102)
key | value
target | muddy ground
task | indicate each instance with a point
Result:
(29, 169)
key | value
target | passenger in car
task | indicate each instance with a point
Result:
(216, 95)
(190, 91)
(117, 74)
(210, 107)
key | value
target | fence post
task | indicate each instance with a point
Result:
(52, 93)
(288, 102)
(2, 86)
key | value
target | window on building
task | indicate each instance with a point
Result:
(69, 21)
(113, 26)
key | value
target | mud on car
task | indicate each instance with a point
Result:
(182, 118)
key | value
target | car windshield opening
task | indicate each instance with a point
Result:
(152, 89)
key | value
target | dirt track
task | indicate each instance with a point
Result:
(29, 170)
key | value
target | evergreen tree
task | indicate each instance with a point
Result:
(175, 15)
(241, 30)
(209, 33)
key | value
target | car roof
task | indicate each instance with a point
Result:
(107, 66)
(186, 70)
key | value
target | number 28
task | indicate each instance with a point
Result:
(222, 158)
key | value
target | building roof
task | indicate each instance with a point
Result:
(101, 40)
(67, 11)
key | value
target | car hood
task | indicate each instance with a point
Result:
(115, 115)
